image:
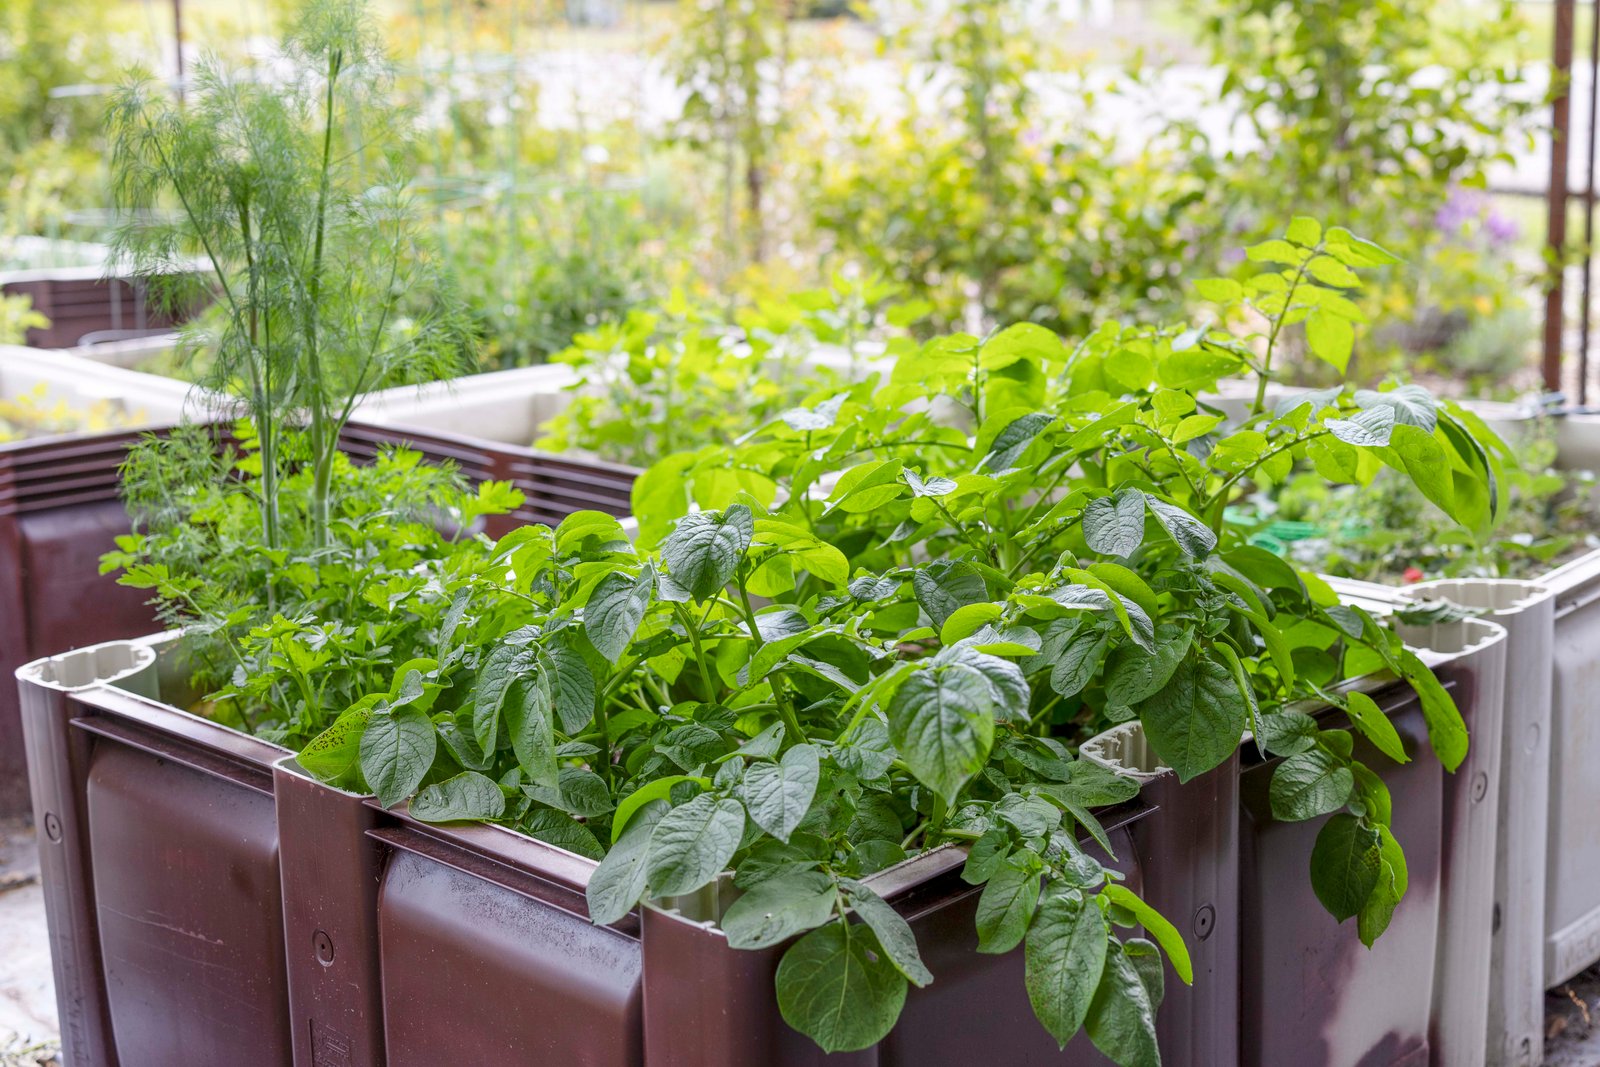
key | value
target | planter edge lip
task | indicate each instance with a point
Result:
(401, 427)
(1100, 748)
(1573, 578)
(1533, 592)
(142, 651)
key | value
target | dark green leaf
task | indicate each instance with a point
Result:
(614, 610)
(1014, 440)
(945, 585)
(1196, 720)
(1122, 1020)
(778, 795)
(1393, 880)
(941, 721)
(1375, 726)
(561, 830)
(692, 844)
(571, 682)
(1065, 956)
(1006, 906)
(1074, 649)
(1191, 535)
(1133, 674)
(893, 932)
(528, 721)
(397, 749)
(1345, 863)
(705, 548)
(1309, 784)
(469, 795)
(778, 909)
(1114, 525)
(838, 987)
(618, 883)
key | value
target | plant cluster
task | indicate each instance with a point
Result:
(979, 194)
(659, 382)
(1361, 110)
(313, 244)
(1389, 532)
(880, 624)
(49, 141)
(358, 599)
(732, 60)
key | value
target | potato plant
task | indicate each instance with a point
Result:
(880, 624)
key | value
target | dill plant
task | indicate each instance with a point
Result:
(284, 179)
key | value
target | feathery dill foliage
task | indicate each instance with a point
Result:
(285, 179)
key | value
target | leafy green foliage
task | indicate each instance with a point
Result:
(680, 375)
(1391, 531)
(284, 190)
(1384, 115)
(976, 192)
(879, 623)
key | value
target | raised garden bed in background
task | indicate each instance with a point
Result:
(60, 511)
(72, 283)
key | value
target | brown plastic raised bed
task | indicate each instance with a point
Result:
(206, 906)
(1310, 992)
(1187, 852)
(484, 954)
(73, 284)
(1302, 989)
(60, 511)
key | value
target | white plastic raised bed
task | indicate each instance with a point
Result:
(1572, 883)
(132, 398)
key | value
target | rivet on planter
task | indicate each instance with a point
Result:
(52, 826)
(1205, 921)
(324, 946)
(1480, 786)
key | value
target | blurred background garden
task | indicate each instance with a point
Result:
(603, 174)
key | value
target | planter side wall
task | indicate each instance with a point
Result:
(1187, 854)
(160, 870)
(1516, 967)
(59, 757)
(1572, 888)
(1310, 993)
(58, 515)
(1470, 828)
(77, 307)
(330, 877)
(189, 910)
(708, 1005)
(483, 965)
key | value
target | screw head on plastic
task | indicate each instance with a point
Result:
(324, 947)
(1205, 921)
(1480, 786)
(52, 826)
